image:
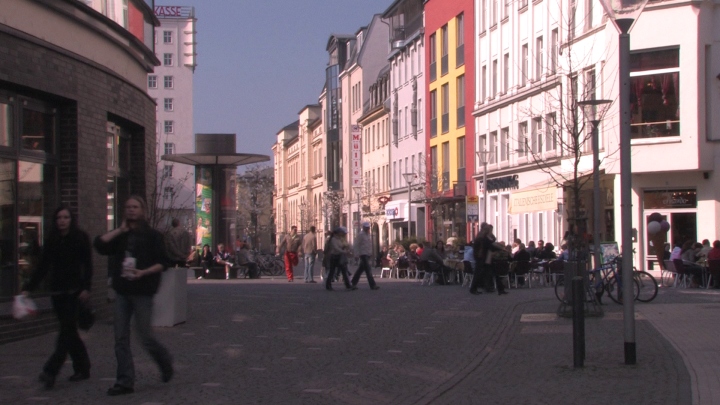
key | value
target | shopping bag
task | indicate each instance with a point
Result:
(23, 307)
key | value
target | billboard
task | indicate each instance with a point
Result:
(203, 206)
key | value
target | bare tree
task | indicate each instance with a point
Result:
(559, 140)
(172, 196)
(255, 201)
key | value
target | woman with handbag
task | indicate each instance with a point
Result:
(67, 258)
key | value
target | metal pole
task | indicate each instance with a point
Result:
(357, 229)
(578, 315)
(626, 196)
(485, 189)
(596, 192)
(409, 211)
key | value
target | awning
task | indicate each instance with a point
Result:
(543, 198)
(228, 159)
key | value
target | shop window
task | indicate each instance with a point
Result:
(38, 130)
(655, 93)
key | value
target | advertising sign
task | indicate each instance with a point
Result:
(472, 208)
(356, 156)
(203, 206)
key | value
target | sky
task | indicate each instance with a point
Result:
(260, 62)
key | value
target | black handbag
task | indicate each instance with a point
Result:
(86, 316)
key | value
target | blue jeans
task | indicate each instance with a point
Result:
(309, 264)
(141, 306)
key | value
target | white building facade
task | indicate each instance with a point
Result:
(171, 85)
(534, 62)
(407, 106)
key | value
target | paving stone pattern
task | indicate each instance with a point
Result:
(273, 342)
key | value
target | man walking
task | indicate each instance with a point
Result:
(363, 248)
(291, 244)
(309, 248)
(136, 259)
(177, 243)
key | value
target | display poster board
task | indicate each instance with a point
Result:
(609, 251)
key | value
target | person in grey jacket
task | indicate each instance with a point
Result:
(363, 248)
(337, 248)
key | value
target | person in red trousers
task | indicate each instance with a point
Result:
(290, 244)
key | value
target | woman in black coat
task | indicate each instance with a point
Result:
(67, 258)
(483, 246)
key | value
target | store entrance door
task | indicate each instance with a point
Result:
(683, 227)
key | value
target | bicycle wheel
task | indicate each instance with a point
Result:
(278, 268)
(647, 286)
(615, 291)
(560, 288)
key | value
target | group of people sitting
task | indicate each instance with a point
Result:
(693, 256)
(243, 258)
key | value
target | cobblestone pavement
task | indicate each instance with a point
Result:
(273, 342)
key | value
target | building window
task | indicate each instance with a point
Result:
(152, 82)
(553, 51)
(167, 59)
(483, 14)
(167, 37)
(494, 13)
(433, 58)
(522, 139)
(460, 40)
(461, 159)
(168, 193)
(168, 82)
(551, 130)
(445, 94)
(482, 146)
(506, 73)
(504, 144)
(492, 147)
(524, 67)
(522, 4)
(655, 93)
(168, 104)
(433, 113)
(588, 14)
(483, 84)
(433, 169)
(539, 66)
(169, 127)
(167, 171)
(446, 166)
(444, 50)
(494, 78)
(169, 148)
(537, 136)
(460, 101)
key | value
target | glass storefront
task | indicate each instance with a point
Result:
(679, 208)
(28, 186)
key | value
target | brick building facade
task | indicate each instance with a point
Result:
(76, 127)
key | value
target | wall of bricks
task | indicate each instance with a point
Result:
(86, 95)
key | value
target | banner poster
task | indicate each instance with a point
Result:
(356, 156)
(203, 206)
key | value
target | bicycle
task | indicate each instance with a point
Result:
(269, 264)
(606, 278)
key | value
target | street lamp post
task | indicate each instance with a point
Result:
(357, 190)
(623, 15)
(594, 111)
(409, 178)
(484, 158)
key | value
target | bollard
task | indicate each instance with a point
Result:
(578, 313)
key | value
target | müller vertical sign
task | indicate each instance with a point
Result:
(356, 156)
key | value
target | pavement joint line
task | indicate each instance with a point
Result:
(420, 333)
(313, 348)
(351, 374)
(10, 377)
(107, 379)
(394, 351)
(202, 354)
(334, 338)
(313, 390)
(189, 334)
(429, 327)
(38, 399)
(261, 336)
(283, 328)
(257, 368)
(289, 358)
(213, 326)
(153, 403)
(408, 341)
(235, 345)
(211, 384)
(350, 331)
(374, 362)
